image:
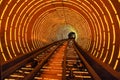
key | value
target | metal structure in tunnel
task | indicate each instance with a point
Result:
(26, 25)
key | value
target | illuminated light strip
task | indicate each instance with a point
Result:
(96, 41)
(7, 45)
(104, 39)
(4, 11)
(28, 47)
(19, 41)
(105, 56)
(15, 34)
(114, 37)
(15, 40)
(6, 24)
(102, 24)
(101, 37)
(12, 48)
(23, 40)
(32, 38)
(119, 52)
(11, 41)
(8, 52)
(23, 43)
(111, 58)
(35, 34)
(116, 63)
(97, 45)
(13, 19)
(17, 46)
(94, 52)
(107, 11)
(26, 35)
(26, 41)
(10, 33)
(112, 6)
(23, 28)
(1, 45)
(9, 2)
(1, 1)
(106, 22)
(100, 32)
(108, 40)
(97, 54)
(3, 54)
(0, 23)
(27, 44)
(96, 31)
(18, 1)
(29, 4)
(35, 41)
(2, 51)
(101, 53)
(118, 20)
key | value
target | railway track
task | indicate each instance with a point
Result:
(61, 61)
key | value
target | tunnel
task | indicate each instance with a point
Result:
(71, 35)
(27, 25)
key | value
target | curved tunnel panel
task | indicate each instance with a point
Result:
(27, 25)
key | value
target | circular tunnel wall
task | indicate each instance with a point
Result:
(26, 25)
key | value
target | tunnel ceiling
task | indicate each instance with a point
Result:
(26, 25)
